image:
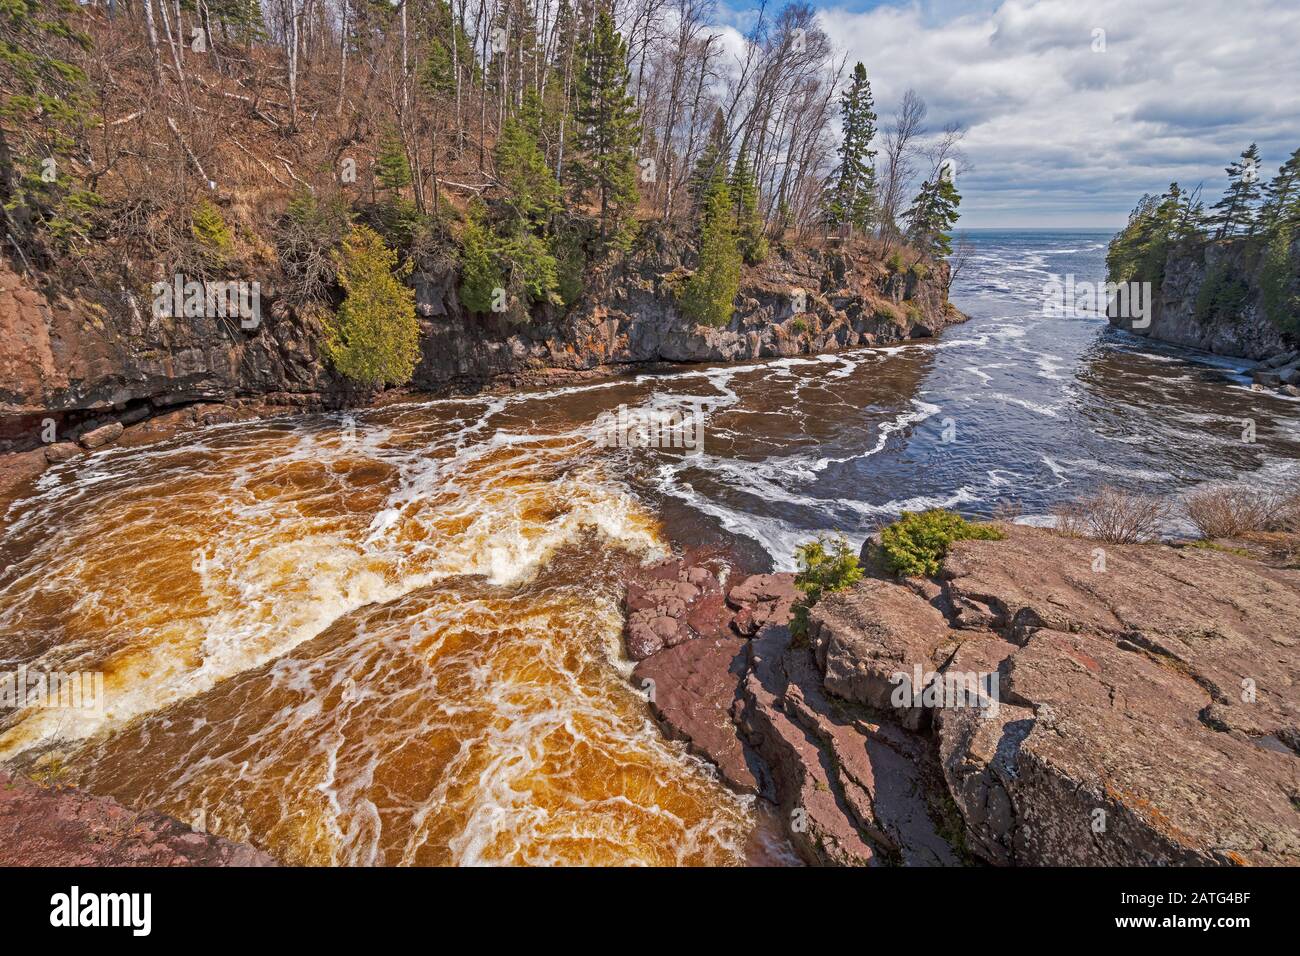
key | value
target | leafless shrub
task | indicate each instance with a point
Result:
(1114, 515)
(1289, 512)
(1007, 511)
(1233, 512)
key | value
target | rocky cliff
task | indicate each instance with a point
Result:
(1211, 297)
(1020, 709)
(87, 360)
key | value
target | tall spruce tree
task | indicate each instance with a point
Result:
(1281, 207)
(712, 164)
(608, 129)
(850, 199)
(709, 295)
(744, 198)
(1236, 210)
(932, 214)
(531, 191)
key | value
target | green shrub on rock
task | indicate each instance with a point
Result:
(210, 230)
(825, 565)
(916, 543)
(374, 339)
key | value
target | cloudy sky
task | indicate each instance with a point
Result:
(1060, 134)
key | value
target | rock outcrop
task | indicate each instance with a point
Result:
(1181, 313)
(52, 826)
(1020, 709)
(83, 360)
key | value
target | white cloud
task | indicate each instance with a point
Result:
(1062, 135)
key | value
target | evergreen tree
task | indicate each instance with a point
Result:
(1190, 219)
(850, 200)
(391, 167)
(712, 164)
(45, 106)
(608, 129)
(709, 295)
(1281, 207)
(932, 214)
(749, 224)
(1236, 210)
(531, 191)
(480, 278)
(374, 339)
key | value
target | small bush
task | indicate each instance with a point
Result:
(1114, 516)
(798, 326)
(825, 565)
(1232, 512)
(888, 312)
(895, 262)
(305, 238)
(916, 543)
(374, 339)
(210, 230)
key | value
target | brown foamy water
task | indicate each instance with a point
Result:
(394, 642)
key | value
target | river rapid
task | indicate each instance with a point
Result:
(392, 636)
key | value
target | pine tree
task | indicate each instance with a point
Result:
(480, 278)
(530, 188)
(608, 129)
(1281, 207)
(709, 295)
(749, 224)
(850, 200)
(1236, 208)
(391, 167)
(712, 163)
(932, 214)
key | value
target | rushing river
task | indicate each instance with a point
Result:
(392, 636)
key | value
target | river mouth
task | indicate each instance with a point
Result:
(393, 636)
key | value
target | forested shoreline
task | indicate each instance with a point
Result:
(337, 152)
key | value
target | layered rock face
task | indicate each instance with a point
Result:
(1022, 709)
(42, 826)
(1247, 332)
(84, 364)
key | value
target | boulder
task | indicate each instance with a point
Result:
(1100, 759)
(670, 602)
(762, 599)
(692, 688)
(851, 789)
(1229, 624)
(872, 639)
(1281, 359)
(61, 451)
(98, 437)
